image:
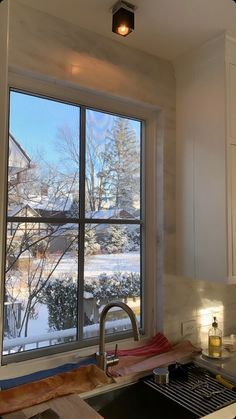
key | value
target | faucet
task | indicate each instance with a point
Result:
(102, 359)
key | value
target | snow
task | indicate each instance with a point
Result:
(98, 264)
(94, 266)
(109, 263)
(39, 325)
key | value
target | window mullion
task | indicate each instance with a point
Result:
(82, 224)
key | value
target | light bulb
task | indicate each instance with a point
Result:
(123, 30)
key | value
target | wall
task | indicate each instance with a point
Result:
(187, 299)
(40, 44)
(49, 48)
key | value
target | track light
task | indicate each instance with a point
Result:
(123, 18)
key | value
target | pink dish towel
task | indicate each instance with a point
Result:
(158, 344)
(133, 365)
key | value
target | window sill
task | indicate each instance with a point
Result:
(18, 369)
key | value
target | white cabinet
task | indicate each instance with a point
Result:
(231, 82)
(206, 161)
(233, 207)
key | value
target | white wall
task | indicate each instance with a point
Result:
(188, 299)
(49, 48)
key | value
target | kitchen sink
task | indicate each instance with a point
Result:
(137, 401)
(192, 394)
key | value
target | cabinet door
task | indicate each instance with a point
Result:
(231, 93)
(232, 245)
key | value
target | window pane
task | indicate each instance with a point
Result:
(112, 272)
(113, 146)
(43, 163)
(43, 270)
(40, 307)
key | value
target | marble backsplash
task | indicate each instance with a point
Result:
(186, 299)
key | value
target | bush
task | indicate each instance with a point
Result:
(116, 286)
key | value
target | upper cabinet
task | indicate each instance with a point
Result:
(206, 161)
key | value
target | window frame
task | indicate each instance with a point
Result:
(101, 102)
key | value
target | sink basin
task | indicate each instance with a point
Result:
(137, 401)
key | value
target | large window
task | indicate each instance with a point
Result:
(74, 223)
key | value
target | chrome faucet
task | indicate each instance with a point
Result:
(102, 359)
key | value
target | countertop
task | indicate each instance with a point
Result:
(71, 406)
(228, 412)
(226, 367)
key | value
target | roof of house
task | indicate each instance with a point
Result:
(18, 158)
(109, 213)
(12, 212)
(52, 203)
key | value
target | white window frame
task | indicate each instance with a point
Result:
(69, 93)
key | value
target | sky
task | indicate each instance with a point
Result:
(35, 123)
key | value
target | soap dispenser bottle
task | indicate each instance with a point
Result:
(215, 340)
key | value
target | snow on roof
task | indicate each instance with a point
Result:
(14, 211)
(52, 203)
(18, 158)
(109, 213)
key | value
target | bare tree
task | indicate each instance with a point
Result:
(96, 176)
(41, 191)
(31, 266)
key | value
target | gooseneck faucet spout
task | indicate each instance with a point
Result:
(103, 360)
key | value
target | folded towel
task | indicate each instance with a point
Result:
(158, 344)
(77, 381)
(130, 365)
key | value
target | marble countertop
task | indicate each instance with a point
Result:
(228, 412)
(226, 367)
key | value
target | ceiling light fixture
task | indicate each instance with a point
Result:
(123, 18)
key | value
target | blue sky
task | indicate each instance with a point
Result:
(35, 123)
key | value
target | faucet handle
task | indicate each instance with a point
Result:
(112, 359)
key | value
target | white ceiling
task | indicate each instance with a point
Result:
(166, 28)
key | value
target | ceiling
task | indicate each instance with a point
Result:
(165, 28)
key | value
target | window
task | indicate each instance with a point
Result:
(74, 223)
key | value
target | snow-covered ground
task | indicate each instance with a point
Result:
(39, 325)
(94, 266)
(119, 262)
